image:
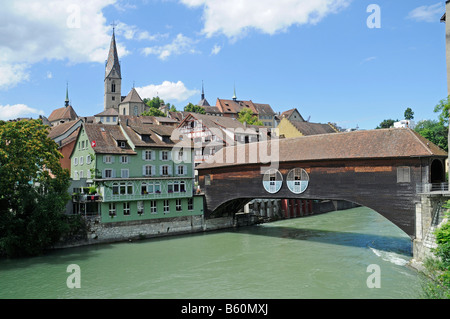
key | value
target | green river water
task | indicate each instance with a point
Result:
(322, 256)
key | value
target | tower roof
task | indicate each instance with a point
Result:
(133, 96)
(113, 59)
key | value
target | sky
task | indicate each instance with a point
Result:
(349, 62)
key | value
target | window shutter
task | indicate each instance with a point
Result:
(169, 169)
(152, 170)
(160, 170)
(160, 155)
(169, 155)
(113, 173)
(103, 172)
(143, 155)
(112, 159)
(184, 169)
(153, 155)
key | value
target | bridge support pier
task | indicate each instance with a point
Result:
(429, 215)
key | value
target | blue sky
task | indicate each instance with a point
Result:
(318, 56)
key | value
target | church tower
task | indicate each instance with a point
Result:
(113, 78)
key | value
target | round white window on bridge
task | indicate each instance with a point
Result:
(297, 180)
(272, 181)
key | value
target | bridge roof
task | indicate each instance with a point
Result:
(381, 143)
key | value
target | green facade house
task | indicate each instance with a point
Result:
(132, 170)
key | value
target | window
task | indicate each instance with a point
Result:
(81, 174)
(182, 186)
(165, 155)
(126, 209)
(297, 180)
(190, 203)
(165, 170)
(107, 119)
(170, 187)
(147, 170)
(146, 188)
(113, 87)
(112, 209)
(75, 161)
(140, 207)
(122, 144)
(107, 159)
(180, 170)
(124, 158)
(403, 175)
(124, 173)
(113, 98)
(75, 175)
(88, 159)
(180, 155)
(88, 175)
(272, 181)
(135, 110)
(166, 206)
(178, 205)
(153, 207)
(82, 145)
(81, 160)
(108, 173)
(115, 188)
(157, 188)
(148, 155)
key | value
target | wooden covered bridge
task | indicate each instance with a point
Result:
(379, 169)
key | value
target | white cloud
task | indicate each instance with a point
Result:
(9, 112)
(369, 59)
(131, 32)
(168, 91)
(216, 49)
(36, 30)
(180, 45)
(430, 13)
(49, 75)
(12, 74)
(234, 17)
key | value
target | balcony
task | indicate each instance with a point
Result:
(432, 188)
(86, 198)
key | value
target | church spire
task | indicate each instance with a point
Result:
(203, 92)
(113, 58)
(66, 102)
(234, 95)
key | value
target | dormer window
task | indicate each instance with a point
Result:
(122, 144)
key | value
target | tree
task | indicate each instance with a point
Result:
(434, 131)
(155, 102)
(194, 108)
(246, 115)
(386, 124)
(33, 189)
(409, 114)
(443, 109)
(153, 112)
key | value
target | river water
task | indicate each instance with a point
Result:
(324, 256)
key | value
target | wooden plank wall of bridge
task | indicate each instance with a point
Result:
(368, 182)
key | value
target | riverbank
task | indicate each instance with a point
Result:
(103, 233)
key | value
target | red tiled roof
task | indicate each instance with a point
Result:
(382, 143)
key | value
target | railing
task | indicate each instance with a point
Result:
(431, 187)
(84, 198)
(155, 195)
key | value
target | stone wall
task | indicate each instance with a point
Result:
(134, 230)
(429, 215)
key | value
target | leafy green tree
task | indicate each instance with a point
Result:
(155, 102)
(33, 189)
(194, 108)
(434, 131)
(409, 114)
(153, 112)
(443, 109)
(246, 115)
(386, 123)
